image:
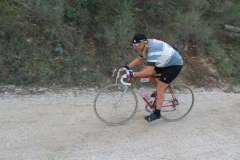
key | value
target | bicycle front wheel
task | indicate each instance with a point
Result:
(177, 103)
(115, 104)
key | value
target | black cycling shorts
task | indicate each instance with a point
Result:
(168, 74)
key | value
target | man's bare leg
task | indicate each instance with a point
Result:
(160, 98)
(153, 81)
(160, 94)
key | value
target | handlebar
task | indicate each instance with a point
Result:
(123, 77)
(143, 79)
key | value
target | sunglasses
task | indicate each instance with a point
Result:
(135, 45)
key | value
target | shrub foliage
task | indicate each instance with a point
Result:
(79, 42)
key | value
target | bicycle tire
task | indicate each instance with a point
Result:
(184, 103)
(106, 108)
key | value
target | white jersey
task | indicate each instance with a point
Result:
(161, 54)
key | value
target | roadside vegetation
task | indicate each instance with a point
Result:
(80, 42)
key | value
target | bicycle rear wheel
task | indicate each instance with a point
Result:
(179, 104)
(115, 104)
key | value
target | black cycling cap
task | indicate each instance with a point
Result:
(139, 37)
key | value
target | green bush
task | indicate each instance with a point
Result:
(74, 42)
(214, 50)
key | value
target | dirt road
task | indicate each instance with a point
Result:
(63, 126)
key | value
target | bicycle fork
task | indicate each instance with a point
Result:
(116, 104)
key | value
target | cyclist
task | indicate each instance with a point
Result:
(161, 58)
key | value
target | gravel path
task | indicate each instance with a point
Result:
(63, 126)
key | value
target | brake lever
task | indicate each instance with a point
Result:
(114, 72)
(118, 73)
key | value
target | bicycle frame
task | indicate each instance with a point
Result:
(153, 105)
(116, 104)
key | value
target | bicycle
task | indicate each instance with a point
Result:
(116, 104)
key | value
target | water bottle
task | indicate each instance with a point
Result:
(145, 94)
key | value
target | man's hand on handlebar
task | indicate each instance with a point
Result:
(129, 72)
(126, 70)
(123, 68)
